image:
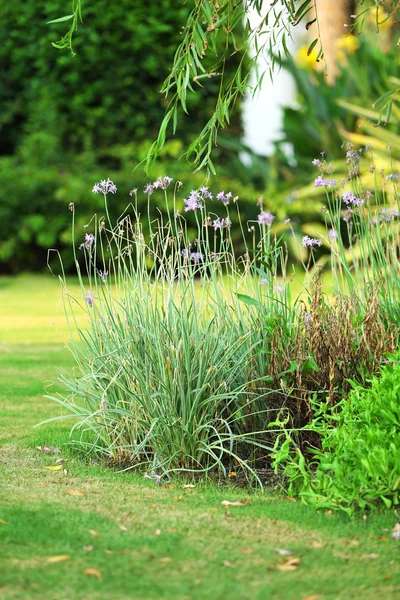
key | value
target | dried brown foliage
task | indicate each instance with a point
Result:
(332, 342)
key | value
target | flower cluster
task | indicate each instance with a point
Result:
(321, 182)
(317, 163)
(194, 201)
(333, 234)
(205, 193)
(161, 183)
(350, 198)
(103, 275)
(89, 241)
(194, 257)
(106, 186)
(386, 216)
(352, 157)
(221, 223)
(90, 298)
(310, 242)
(225, 198)
(392, 176)
(265, 218)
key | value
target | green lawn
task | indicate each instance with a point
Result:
(121, 536)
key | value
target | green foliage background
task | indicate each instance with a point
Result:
(67, 121)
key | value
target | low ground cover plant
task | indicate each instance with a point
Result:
(358, 464)
(192, 358)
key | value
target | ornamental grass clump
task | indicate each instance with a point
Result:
(164, 375)
(193, 359)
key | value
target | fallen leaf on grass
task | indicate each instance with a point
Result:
(57, 559)
(232, 474)
(56, 468)
(373, 555)
(395, 534)
(123, 528)
(48, 449)
(93, 573)
(350, 543)
(188, 486)
(246, 550)
(157, 532)
(3, 522)
(289, 565)
(383, 538)
(169, 486)
(315, 544)
(59, 461)
(74, 493)
(237, 503)
(178, 498)
(93, 532)
(226, 563)
(166, 559)
(312, 597)
(283, 552)
(88, 548)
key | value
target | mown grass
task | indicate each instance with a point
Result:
(147, 541)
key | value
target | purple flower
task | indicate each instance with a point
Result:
(205, 193)
(89, 241)
(224, 197)
(193, 202)
(133, 192)
(332, 234)
(392, 176)
(89, 298)
(103, 275)
(352, 155)
(317, 163)
(321, 182)
(264, 281)
(221, 223)
(310, 242)
(106, 186)
(196, 257)
(162, 182)
(307, 316)
(149, 189)
(278, 288)
(265, 218)
(388, 215)
(350, 198)
(71, 206)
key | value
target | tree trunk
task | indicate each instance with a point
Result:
(333, 15)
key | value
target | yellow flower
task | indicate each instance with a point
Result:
(304, 60)
(348, 43)
(382, 16)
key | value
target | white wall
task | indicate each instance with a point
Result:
(262, 115)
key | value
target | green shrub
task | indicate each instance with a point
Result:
(65, 119)
(358, 464)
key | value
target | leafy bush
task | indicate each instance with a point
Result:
(65, 119)
(108, 92)
(358, 464)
